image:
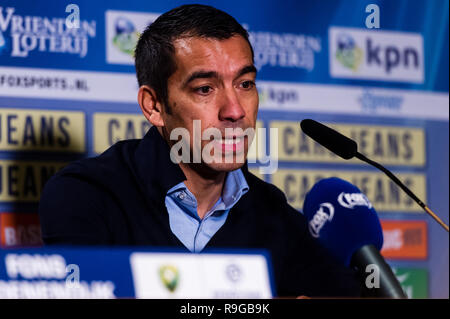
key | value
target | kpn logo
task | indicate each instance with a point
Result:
(376, 55)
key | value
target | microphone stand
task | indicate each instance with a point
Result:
(389, 287)
(402, 186)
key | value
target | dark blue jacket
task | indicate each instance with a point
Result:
(118, 198)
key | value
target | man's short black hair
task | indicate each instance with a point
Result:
(154, 53)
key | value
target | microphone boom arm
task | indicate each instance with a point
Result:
(403, 187)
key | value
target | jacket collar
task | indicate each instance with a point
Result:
(155, 169)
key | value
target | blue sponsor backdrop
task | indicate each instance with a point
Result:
(292, 45)
(309, 18)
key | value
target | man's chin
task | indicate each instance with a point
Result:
(224, 167)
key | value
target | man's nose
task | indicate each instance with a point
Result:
(231, 108)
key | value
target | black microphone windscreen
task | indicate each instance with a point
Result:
(334, 141)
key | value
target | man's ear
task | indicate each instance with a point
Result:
(150, 106)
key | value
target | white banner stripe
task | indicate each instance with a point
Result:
(277, 96)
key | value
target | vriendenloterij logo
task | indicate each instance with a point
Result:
(169, 276)
(22, 35)
(286, 50)
(376, 55)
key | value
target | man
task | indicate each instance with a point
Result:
(194, 65)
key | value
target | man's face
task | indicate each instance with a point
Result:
(215, 83)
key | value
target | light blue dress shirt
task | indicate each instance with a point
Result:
(184, 221)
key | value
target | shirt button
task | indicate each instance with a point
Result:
(182, 195)
(233, 197)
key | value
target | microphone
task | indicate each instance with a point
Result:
(346, 148)
(344, 221)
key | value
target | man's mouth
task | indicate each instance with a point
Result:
(233, 140)
(231, 144)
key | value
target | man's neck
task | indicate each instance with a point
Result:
(207, 190)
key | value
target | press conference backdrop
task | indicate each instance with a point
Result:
(68, 93)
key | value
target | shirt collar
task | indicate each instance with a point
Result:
(234, 187)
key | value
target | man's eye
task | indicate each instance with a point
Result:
(248, 84)
(203, 89)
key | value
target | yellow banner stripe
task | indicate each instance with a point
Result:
(24, 180)
(388, 145)
(384, 194)
(42, 130)
(110, 128)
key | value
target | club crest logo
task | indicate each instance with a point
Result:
(169, 276)
(234, 273)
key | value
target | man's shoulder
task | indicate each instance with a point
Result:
(105, 171)
(271, 201)
(116, 156)
(264, 189)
